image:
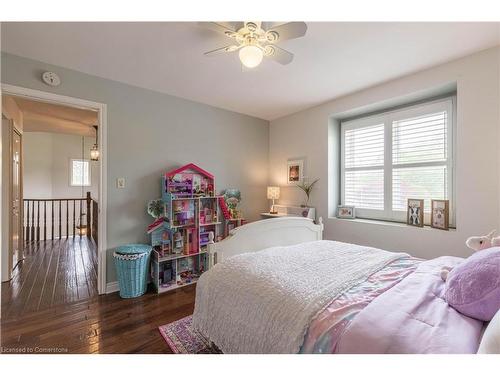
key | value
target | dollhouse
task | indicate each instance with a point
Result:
(180, 237)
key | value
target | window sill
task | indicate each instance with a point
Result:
(391, 224)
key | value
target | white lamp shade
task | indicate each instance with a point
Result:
(273, 192)
(251, 56)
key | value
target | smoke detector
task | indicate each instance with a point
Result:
(51, 79)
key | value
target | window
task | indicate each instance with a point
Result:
(388, 158)
(79, 172)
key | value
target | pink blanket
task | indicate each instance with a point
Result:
(328, 326)
(413, 317)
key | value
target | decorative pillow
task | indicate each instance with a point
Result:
(490, 343)
(473, 287)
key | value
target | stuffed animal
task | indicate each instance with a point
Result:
(476, 243)
(483, 242)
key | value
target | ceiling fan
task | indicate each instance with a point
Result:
(254, 42)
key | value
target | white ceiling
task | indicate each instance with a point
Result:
(332, 60)
(52, 118)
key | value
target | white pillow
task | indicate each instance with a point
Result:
(490, 343)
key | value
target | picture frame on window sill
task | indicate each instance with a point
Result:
(415, 212)
(295, 171)
(440, 214)
(346, 212)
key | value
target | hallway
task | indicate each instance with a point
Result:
(54, 272)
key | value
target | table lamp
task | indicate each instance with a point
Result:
(273, 192)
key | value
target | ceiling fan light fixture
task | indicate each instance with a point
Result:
(251, 56)
(254, 41)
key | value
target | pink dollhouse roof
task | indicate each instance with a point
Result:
(189, 166)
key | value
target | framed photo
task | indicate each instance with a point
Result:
(346, 212)
(415, 215)
(440, 214)
(295, 171)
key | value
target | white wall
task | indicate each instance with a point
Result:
(37, 168)
(306, 134)
(46, 165)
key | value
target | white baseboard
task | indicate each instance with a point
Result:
(112, 287)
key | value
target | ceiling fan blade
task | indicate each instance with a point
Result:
(290, 30)
(225, 49)
(221, 27)
(235, 25)
(278, 54)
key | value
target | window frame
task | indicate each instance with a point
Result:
(387, 118)
(71, 172)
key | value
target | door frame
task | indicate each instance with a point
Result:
(101, 108)
(14, 130)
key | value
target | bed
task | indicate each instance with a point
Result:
(276, 287)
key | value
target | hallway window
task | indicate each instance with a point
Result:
(79, 172)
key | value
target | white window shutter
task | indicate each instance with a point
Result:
(419, 158)
(364, 167)
(389, 158)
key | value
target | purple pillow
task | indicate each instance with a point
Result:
(473, 287)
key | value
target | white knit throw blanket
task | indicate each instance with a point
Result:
(263, 302)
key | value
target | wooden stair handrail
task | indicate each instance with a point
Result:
(42, 215)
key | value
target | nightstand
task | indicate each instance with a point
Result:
(309, 212)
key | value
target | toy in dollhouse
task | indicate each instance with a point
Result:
(205, 237)
(159, 236)
(185, 271)
(190, 241)
(208, 211)
(202, 186)
(167, 275)
(178, 243)
(190, 181)
(183, 212)
(165, 244)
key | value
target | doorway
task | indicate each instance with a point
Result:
(39, 228)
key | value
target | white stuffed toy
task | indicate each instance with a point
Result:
(476, 243)
(483, 242)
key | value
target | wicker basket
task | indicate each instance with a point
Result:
(132, 269)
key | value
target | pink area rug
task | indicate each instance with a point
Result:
(183, 339)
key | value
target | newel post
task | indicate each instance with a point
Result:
(89, 221)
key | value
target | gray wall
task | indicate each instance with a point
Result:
(150, 133)
(306, 134)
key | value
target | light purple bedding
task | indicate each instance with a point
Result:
(413, 317)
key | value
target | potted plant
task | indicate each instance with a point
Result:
(307, 188)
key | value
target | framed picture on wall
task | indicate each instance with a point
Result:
(440, 214)
(295, 171)
(415, 215)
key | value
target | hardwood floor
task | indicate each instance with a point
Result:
(51, 305)
(53, 273)
(104, 324)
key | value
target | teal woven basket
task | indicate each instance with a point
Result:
(132, 269)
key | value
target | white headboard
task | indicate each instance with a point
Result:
(258, 235)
